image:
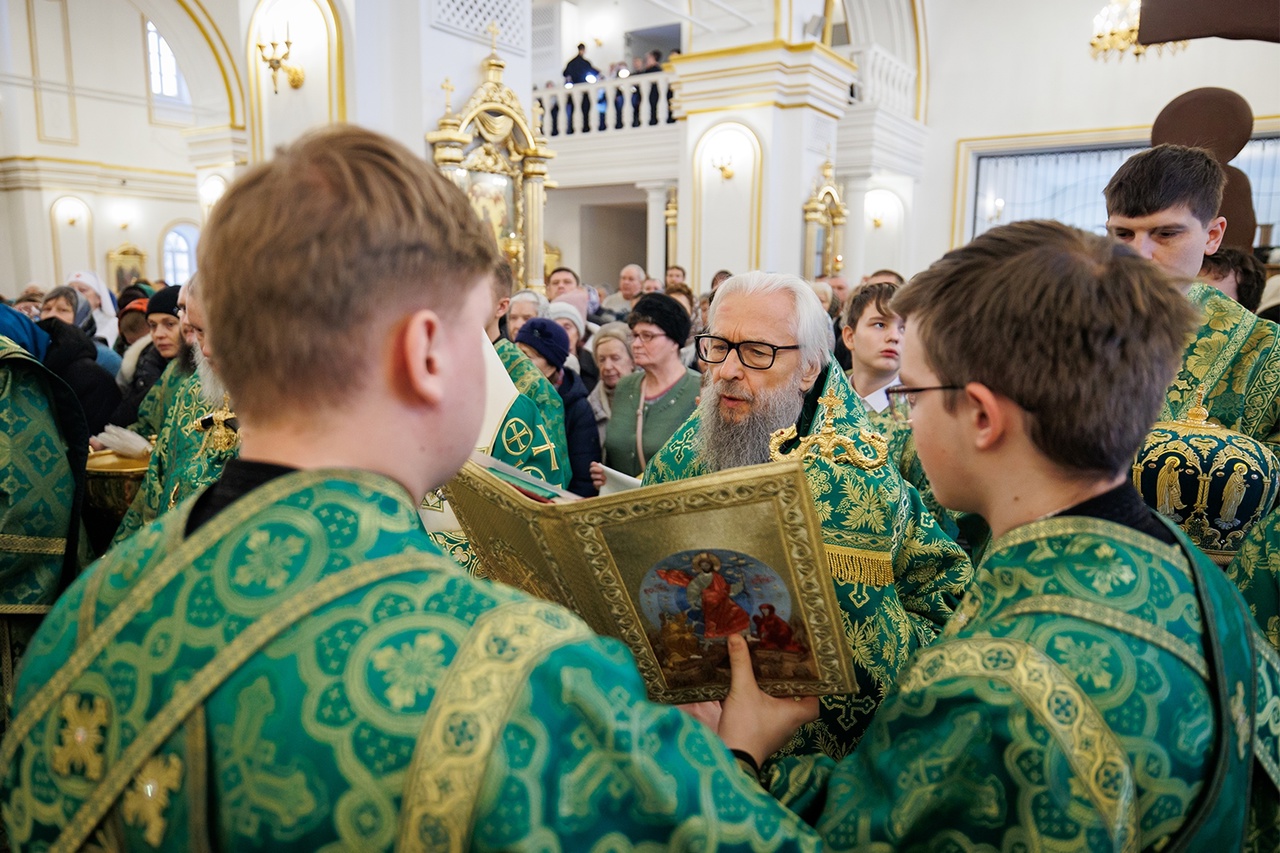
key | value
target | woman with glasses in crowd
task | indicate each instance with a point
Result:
(649, 405)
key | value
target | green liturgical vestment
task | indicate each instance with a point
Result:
(185, 459)
(307, 671)
(155, 404)
(897, 575)
(1235, 359)
(43, 445)
(512, 431)
(902, 451)
(1095, 690)
(530, 382)
(1256, 571)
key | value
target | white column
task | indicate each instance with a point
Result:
(655, 262)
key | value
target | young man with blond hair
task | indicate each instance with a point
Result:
(286, 661)
(1100, 687)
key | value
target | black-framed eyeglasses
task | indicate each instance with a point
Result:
(756, 355)
(902, 398)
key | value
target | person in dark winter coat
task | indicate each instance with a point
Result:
(547, 346)
(71, 357)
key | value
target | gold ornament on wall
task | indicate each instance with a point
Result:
(495, 155)
(824, 218)
(278, 62)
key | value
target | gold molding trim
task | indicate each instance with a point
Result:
(335, 79)
(970, 147)
(922, 59)
(96, 164)
(235, 108)
(38, 83)
(762, 46)
(758, 105)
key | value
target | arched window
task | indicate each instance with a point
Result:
(179, 253)
(166, 78)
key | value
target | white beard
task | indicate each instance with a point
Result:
(724, 444)
(212, 391)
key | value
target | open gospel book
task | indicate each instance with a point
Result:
(672, 570)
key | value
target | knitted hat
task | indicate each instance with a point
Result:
(164, 302)
(547, 338)
(565, 311)
(665, 313)
(139, 305)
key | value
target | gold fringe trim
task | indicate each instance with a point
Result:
(853, 565)
(32, 544)
(25, 609)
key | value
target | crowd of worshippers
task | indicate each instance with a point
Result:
(288, 642)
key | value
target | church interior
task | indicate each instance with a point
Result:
(125, 119)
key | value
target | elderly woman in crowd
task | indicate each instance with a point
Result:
(71, 356)
(611, 346)
(649, 406)
(524, 306)
(71, 307)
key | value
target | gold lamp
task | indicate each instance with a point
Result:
(278, 62)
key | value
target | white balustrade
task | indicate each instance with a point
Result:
(606, 106)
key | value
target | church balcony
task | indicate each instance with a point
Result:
(618, 131)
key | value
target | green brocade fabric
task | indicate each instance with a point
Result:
(521, 441)
(1074, 702)
(1256, 571)
(897, 575)
(902, 448)
(1234, 357)
(182, 462)
(308, 672)
(152, 409)
(42, 443)
(530, 382)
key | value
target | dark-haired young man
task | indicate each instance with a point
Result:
(1101, 686)
(1164, 202)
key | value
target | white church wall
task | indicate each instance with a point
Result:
(585, 247)
(88, 132)
(1014, 68)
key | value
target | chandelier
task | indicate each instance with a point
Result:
(1115, 30)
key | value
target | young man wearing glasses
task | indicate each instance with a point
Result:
(1101, 686)
(897, 574)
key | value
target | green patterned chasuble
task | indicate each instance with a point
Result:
(514, 431)
(151, 410)
(902, 449)
(42, 443)
(1256, 571)
(897, 575)
(183, 461)
(530, 382)
(308, 672)
(1076, 701)
(1234, 357)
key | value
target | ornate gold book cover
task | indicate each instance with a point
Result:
(671, 570)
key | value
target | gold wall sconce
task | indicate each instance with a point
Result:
(723, 162)
(278, 62)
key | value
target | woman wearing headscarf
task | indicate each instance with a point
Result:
(69, 305)
(102, 303)
(71, 356)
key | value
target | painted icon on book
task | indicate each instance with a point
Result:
(693, 599)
